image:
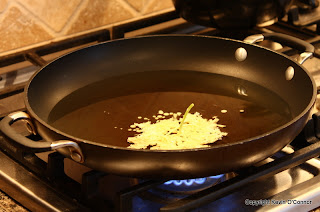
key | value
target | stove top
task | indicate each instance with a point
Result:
(287, 181)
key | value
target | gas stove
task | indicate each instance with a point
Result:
(289, 180)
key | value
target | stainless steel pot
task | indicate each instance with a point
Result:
(232, 14)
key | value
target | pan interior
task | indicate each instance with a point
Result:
(102, 112)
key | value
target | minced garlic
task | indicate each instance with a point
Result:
(197, 132)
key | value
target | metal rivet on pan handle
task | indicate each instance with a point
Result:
(241, 54)
(74, 149)
(242, 91)
(289, 73)
(26, 118)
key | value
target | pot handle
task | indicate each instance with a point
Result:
(35, 146)
(301, 45)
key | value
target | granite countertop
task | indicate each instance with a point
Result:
(7, 204)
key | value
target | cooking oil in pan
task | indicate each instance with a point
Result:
(105, 116)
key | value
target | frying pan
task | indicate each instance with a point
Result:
(83, 103)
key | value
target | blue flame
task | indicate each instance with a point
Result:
(190, 182)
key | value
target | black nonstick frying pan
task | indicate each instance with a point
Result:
(83, 103)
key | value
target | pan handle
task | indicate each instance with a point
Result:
(35, 146)
(301, 45)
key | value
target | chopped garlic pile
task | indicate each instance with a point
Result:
(197, 132)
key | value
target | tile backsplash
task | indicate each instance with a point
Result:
(25, 23)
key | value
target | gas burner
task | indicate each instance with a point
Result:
(174, 190)
(192, 185)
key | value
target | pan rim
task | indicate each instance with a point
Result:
(252, 139)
